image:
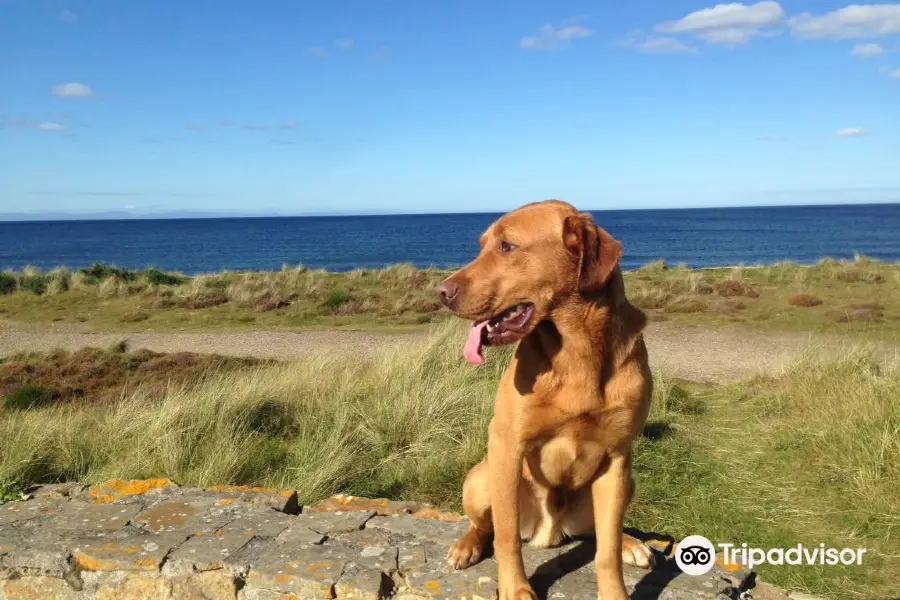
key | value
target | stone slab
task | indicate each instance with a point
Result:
(134, 551)
(281, 500)
(335, 522)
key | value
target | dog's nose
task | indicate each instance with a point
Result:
(449, 292)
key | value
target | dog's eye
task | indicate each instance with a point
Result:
(506, 247)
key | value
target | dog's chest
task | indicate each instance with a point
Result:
(572, 456)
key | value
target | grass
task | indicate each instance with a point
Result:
(30, 380)
(830, 296)
(809, 456)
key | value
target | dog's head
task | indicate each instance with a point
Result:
(532, 260)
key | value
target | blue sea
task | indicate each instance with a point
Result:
(698, 237)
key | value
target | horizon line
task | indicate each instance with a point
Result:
(120, 215)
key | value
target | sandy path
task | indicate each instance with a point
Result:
(687, 352)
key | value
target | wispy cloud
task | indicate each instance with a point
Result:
(772, 138)
(254, 127)
(67, 16)
(867, 50)
(71, 90)
(196, 127)
(319, 51)
(82, 193)
(850, 132)
(853, 21)
(730, 24)
(551, 37)
(345, 44)
(290, 124)
(29, 124)
(654, 44)
(225, 124)
(896, 74)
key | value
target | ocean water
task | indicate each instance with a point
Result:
(698, 237)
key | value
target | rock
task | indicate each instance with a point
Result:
(364, 538)
(135, 587)
(409, 559)
(212, 585)
(260, 521)
(299, 571)
(363, 584)
(206, 552)
(300, 535)
(135, 551)
(380, 506)
(100, 518)
(439, 532)
(116, 490)
(55, 491)
(37, 588)
(281, 500)
(335, 522)
(21, 511)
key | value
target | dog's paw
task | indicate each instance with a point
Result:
(466, 551)
(636, 553)
(520, 592)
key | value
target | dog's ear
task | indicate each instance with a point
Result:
(598, 251)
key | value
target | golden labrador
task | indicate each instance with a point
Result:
(573, 398)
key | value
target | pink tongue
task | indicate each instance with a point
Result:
(472, 351)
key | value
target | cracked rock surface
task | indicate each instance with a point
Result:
(151, 539)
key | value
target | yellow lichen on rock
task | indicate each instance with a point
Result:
(116, 489)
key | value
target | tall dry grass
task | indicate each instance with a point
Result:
(806, 457)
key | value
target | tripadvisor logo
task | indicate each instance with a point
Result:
(695, 555)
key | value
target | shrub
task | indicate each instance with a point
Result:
(7, 283)
(36, 283)
(28, 396)
(99, 271)
(804, 300)
(59, 281)
(337, 298)
(157, 277)
(732, 287)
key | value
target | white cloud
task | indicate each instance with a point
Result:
(196, 127)
(654, 44)
(853, 21)
(319, 51)
(550, 37)
(290, 124)
(343, 44)
(850, 132)
(50, 126)
(896, 74)
(867, 50)
(72, 90)
(68, 16)
(732, 24)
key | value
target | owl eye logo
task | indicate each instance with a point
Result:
(695, 555)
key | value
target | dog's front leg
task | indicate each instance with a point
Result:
(610, 493)
(505, 457)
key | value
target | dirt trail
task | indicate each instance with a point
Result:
(687, 352)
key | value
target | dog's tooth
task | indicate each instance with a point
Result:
(490, 327)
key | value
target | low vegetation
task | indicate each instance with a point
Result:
(31, 380)
(861, 296)
(807, 457)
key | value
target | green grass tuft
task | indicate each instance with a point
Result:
(29, 397)
(8, 283)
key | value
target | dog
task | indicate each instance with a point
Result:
(573, 398)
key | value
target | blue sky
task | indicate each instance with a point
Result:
(352, 106)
